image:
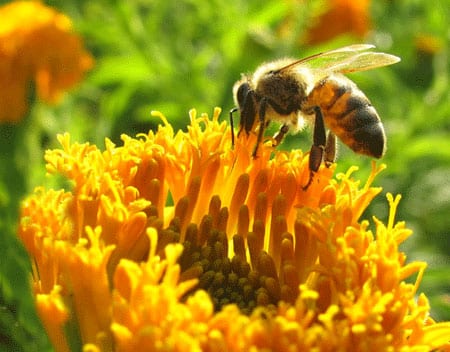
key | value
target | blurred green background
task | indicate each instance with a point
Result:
(176, 55)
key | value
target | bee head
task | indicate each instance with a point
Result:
(240, 92)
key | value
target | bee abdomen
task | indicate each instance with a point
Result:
(364, 132)
(351, 116)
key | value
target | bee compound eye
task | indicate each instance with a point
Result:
(243, 91)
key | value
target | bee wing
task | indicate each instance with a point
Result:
(361, 62)
(347, 59)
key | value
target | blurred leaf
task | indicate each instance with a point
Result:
(120, 69)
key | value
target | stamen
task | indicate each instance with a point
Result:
(191, 235)
(261, 207)
(154, 194)
(168, 235)
(162, 118)
(192, 193)
(290, 283)
(272, 286)
(393, 204)
(221, 220)
(243, 221)
(277, 229)
(305, 250)
(288, 189)
(238, 198)
(266, 265)
(255, 242)
(239, 246)
(214, 207)
(204, 233)
(260, 185)
(182, 210)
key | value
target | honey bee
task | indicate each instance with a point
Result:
(314, 89)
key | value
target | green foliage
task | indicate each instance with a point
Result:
(176, 55)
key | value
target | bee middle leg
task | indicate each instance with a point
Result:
(319, 145)
(279, 136)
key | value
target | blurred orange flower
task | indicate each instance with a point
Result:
(177, 241)
(340, 17)
(428, 44)
(331, 19)
(37, 44)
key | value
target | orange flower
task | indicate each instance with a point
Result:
(36, 44)
(428, 44)
(177, 240)
(340, 17)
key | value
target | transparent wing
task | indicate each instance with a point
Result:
(361, 62)
(344, 60)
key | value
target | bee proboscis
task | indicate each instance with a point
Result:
(314, 89)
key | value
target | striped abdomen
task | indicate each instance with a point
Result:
(349, 114)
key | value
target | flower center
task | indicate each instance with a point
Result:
(226, 280)
(230, 278)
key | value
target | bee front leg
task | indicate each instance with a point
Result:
(262, 125)
(318, 147)
(232, 111)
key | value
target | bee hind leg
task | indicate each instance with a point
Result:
(330, 149)
(317, 149)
